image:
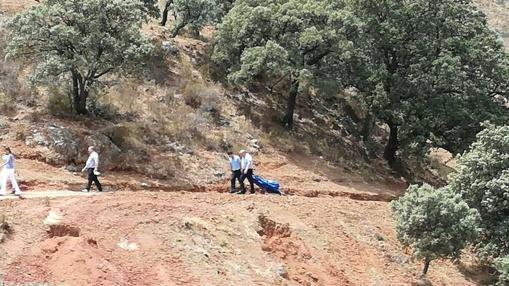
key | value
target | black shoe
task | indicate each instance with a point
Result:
(252, 192)
(233, 191)
(241, 192)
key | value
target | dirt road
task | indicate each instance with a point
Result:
(182, 238)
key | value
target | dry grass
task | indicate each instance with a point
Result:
(498, 16)
(59, 101)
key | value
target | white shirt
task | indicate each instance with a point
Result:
(93, 161)
(235, 163)
(247, 162)
(9, 161)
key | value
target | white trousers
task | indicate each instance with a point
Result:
(8, 174)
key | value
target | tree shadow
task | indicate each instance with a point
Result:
(157, 66)
(478, 273)
(324, 144)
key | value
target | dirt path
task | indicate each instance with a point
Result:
(49, 194)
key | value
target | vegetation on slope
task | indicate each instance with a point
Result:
(421, 73)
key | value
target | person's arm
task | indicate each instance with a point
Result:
(4, 163)
(248, 164)
(86, 165)
(96, 162)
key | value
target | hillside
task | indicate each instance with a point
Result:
(167, 218)
(498, 15)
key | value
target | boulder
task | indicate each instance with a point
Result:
(170, 48)
(68, 147)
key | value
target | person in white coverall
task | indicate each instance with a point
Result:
(7, 173)
(91, 168)
(246, 169)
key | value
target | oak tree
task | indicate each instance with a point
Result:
(436, 223)
(81, 41)
(292, 40)
(482, 178)
(430, 70)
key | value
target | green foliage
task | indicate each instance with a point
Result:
(299, 40)
(222, 7)
(436, 223)
(151, 8)
(193, 14)
(482, 178)
(59, 100)
(429, 70)
(80, 41)
(502, 266)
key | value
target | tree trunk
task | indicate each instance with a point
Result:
(177, 28)
(367, 127)
(81, 104)
(165, 12)
(392, 145)
(292, 101)
(80, 93)
(426, 266)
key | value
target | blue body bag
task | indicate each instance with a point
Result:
(269, 186)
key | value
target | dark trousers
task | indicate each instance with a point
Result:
(235, 176)
(249, 176)
(93, 178)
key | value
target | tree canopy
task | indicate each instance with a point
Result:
(436, 223)
(80, 40)
(193, 14)
(295, 40)
(151, 8)
(482, 178)
(502, 266)
(430, 70)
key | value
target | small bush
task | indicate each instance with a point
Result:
(186, 126)
(125, 136)
(122, 97)
(502, 266)
(7, 105)
(203, 96)
(59, 100)
(21, 135)
(193, 95)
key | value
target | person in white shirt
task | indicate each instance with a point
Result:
(235, 165)
(7, 173)
(91, 167)
(247, 171)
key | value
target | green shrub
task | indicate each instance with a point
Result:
(436, 223)
(7, 105)
(482, 179)
(502, 266)
(203, 96)
(59, 100)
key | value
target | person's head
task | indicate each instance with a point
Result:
(242, 153)
(7, 150)
(91, 149)
(230, 154)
